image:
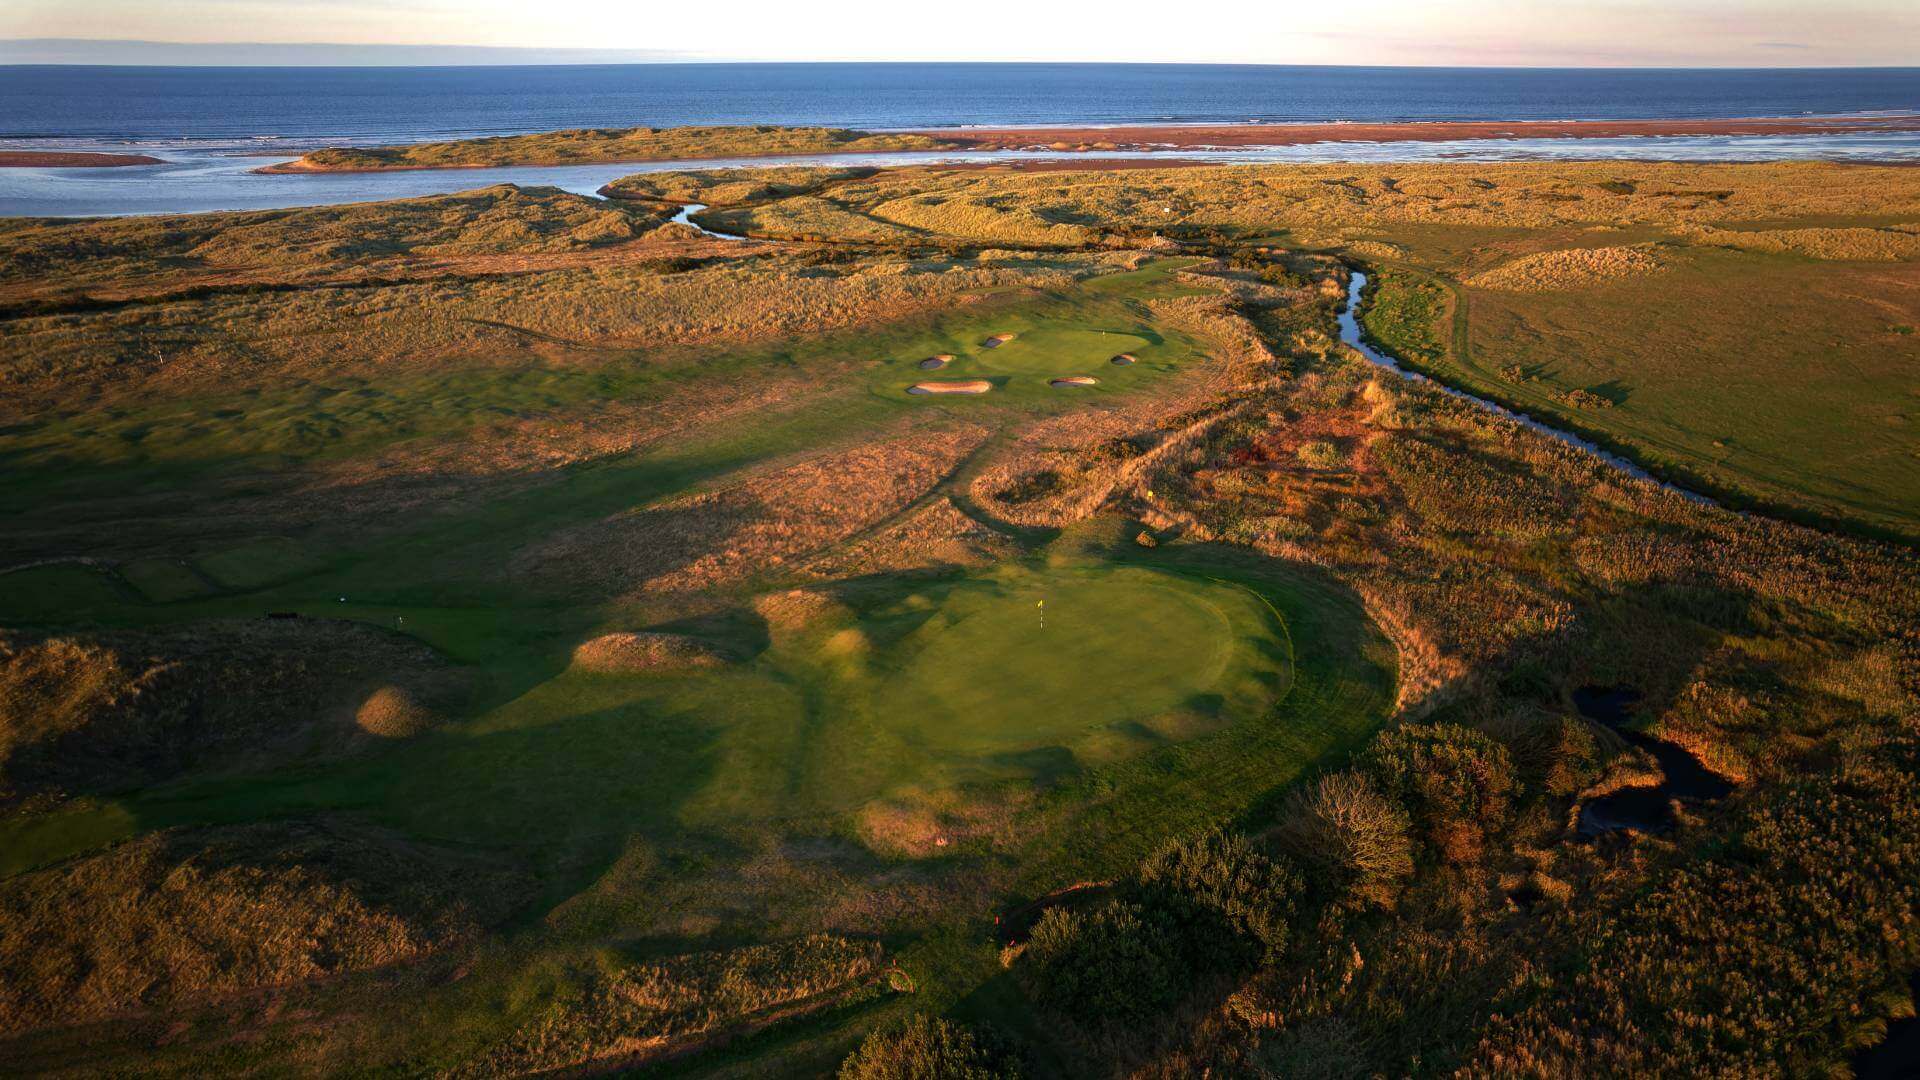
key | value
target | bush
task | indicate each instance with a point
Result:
(1233, 904)
(1456, 782)
(1111, 966)
(930, 1048)
(1320, 454)
(1357, 838)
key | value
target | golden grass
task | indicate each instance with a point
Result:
(1574, 268)
(42, 257)
(758, 525)
(1053, 208)
(581, 145)
(730, 187)
(627, 653)
(183, 918)
(100, 712)
(1897, 244)
(394, 712)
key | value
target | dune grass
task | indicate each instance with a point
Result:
(582, 145)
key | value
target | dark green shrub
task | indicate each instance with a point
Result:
(1110, 966)
(931, 1048)
(1232, 903)
(1456, 783)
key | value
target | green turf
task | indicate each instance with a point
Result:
(1766, 379)
(164, 580)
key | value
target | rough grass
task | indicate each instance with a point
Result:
(729, 187)
(1574, 268)
(48, 259)
(97, 713)
(183, 918)
(584, 145)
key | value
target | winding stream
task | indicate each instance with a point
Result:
(685, 217)
(1350, 333)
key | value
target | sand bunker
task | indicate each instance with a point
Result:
(935, 363)
(1553, 270)
(393, 712)
(626, 653)
(996, 341)
(1123, 359)
(1073, 380)
(962, 386)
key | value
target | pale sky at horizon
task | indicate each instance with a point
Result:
(1604, 33)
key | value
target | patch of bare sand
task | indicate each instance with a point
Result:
(759, 525)
(962, 386)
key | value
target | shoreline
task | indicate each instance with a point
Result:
(1162, 138)
(71, 159)
(297, 167)
(1209, 136)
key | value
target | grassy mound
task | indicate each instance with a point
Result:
(1576, 268)
(94, 713)
(629, 653)
(728, 187)
(394, 712)
(192, 916)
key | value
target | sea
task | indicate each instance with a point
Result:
(214, 126)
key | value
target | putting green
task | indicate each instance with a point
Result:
(1041, 350)
(1021, 671)
(1025, 659)
(1052, 351)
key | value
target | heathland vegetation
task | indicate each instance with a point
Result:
(518, 634)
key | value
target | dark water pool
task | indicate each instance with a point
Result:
(1644, 808)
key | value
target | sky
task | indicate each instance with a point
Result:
(1523, 33)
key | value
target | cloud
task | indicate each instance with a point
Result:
(1781, 45)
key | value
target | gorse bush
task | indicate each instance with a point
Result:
(931, 1048)
(1232, 902)
(1114, 966)
(1342, 826)
(1456, 783)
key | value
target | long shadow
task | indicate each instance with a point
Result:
(564, 796)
